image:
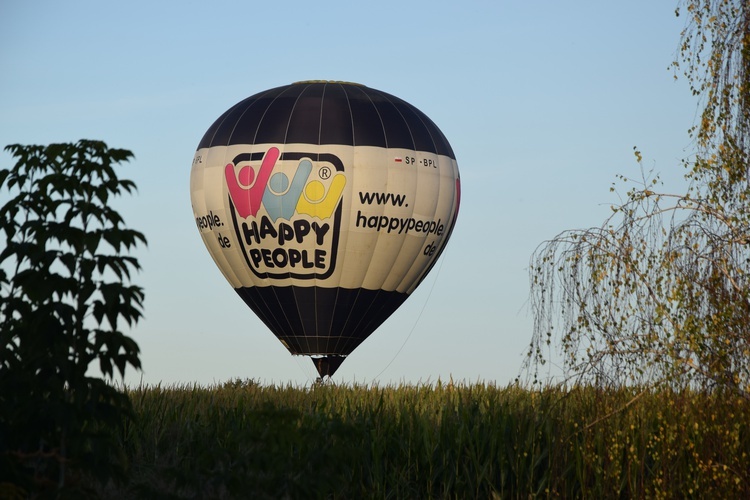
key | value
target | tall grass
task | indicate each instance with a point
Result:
(243, 440)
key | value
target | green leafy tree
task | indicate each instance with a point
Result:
(65, 296)
(660, 292)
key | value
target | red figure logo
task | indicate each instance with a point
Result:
(246, 188)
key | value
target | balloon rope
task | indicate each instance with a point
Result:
(309, 375)
(424, 306)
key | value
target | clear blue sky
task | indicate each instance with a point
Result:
(542, 102)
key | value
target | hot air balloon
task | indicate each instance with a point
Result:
(324, 204)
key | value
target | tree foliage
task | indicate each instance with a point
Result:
(65, 296)
(660, 291)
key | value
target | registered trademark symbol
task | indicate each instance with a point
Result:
(324, 172)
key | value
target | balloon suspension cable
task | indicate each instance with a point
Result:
(424, 306)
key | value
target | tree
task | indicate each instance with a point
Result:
(64, 297)
(660, 291)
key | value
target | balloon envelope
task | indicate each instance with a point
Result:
(324, 204)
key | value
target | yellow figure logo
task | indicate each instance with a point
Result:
(316, 202)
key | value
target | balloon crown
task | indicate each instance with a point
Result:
(327, 81)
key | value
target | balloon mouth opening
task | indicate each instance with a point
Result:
(341, 82)
(327, 365)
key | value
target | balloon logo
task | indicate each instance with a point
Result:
(324, 204)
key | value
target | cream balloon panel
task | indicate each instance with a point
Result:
(426, 248)
(365, 217)
(208, 198)
(414, 218)
(207, 218)
(401, 199)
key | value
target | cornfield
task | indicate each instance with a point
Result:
(444, 440)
